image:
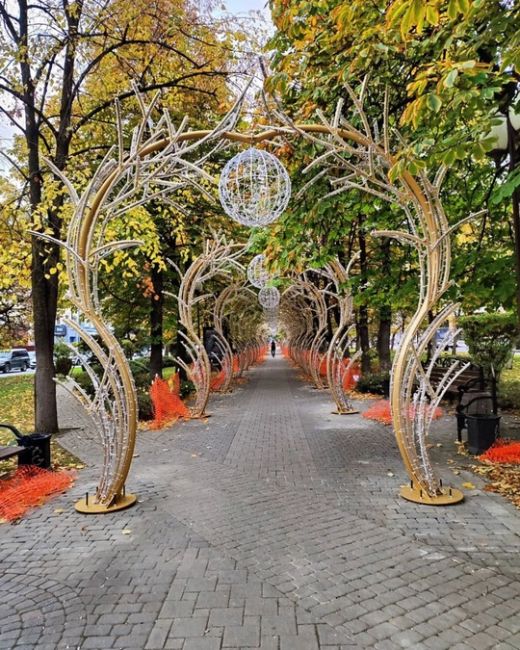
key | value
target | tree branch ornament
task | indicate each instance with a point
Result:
(365, 159)
(218, 256)
(342, 339)
(163, 159)
(158, 164)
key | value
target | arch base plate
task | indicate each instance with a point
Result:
(448, 497)
(122, 502)
(351, 412)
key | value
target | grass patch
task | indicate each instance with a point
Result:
(17, 408)
(509, 388)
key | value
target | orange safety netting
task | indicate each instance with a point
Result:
(30, 486)
(218, 380)
(167, 405)
(381, 412)
(503, 451)
(174, 383)
(323, 367)
(352, 375)
(236, 364)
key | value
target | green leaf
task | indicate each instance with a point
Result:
(451, 78)
(434, 102)
(453, 9)
(505, 191)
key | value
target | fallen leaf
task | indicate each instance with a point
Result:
(468, 485)
(126, 531)
(58, 511)
(389, 473)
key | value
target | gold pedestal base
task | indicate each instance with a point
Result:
(344, 412)
(449, 496)
(91, 508)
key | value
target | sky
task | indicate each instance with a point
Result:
(239, 6)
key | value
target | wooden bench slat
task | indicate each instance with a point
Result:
(9, 451)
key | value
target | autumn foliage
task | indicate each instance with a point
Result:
(28, 487)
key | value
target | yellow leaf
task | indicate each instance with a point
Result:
(468, 486)
(126, 531)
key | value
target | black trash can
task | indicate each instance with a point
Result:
(37, 447)
(482, 432)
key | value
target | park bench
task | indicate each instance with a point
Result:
(470, 389)
(9, 451)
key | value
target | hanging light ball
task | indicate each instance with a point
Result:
(257, 274)
(269, 297)
(254, 188)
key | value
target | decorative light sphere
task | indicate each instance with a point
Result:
(254, 188)
(257, 274)
(269, 297)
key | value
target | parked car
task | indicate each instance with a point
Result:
(14, 359)
(32, 356)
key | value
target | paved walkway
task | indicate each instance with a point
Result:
(275, 525)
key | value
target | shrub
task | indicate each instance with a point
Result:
(83, 380)
(145, 405)
(509, 392)
(376, 383)
(186, 388)
(63, 365)
(490, 339)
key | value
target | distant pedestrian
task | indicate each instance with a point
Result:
(273, 348)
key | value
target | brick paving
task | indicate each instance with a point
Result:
(273, 524)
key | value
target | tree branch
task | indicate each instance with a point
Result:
(145, 89)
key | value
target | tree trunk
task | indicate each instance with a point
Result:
(45, 256)
(385, 314)
(156, 322)
(383, 337)
(44, 289)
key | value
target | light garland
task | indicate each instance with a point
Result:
(254, 188)
(269, 297)
(257, 274)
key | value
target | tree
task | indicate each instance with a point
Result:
(448, 67)
(50, 53)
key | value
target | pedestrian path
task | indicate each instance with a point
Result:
(273, 524)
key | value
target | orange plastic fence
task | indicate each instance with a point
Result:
(504, 451)
(167, 405)
(323, 367)
(352, 376)
(30, 486)
(218, 380)
(174, 383)
(380, 411)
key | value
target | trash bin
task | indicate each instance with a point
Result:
(482, 432)
(37, 447)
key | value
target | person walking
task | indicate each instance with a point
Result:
(273, 347)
